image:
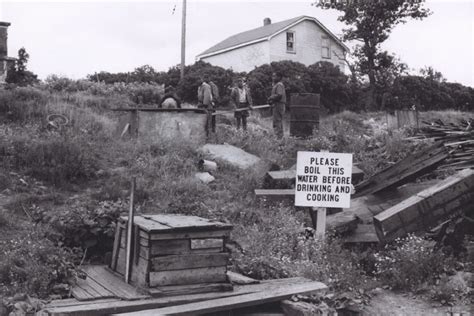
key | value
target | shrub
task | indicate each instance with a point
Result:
(58, 160)
(410, 263)
(33, 264)
(23, 103)
(188, 86)
(277, 245)
(82, 224)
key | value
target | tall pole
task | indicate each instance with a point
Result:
(183, 39)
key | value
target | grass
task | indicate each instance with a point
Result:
(86, 173)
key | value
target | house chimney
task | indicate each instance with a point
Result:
(3, 39)
(267, 21)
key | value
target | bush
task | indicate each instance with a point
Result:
(32, 264)
(83, 225)
(23, 103)
(277, 245)
(58, 160)
(410, 263)
(323, 78)
(187, 88)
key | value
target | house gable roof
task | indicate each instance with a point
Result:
(262, 33)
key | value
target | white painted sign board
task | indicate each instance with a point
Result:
(323, 179)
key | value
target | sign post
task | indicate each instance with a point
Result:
(323, 179)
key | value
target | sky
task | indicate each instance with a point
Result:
(75, 38)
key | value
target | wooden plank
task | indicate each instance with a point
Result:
(191, 261)
(146, 224)
(101, 292)
(186, 235)
(189, 276)
(117, 240)
(142, 241)
(364, 233)
(180, 222)
(170, 247)
(129, 250)
(275, 194)
(237, 278)
(207, 243)
(81, 293)
(188, 289)
(234, 302)
(140, 272)
(404, 170)
(342, 223)
(105, 307)
(74, 302)
(428, 207)
(112, 283)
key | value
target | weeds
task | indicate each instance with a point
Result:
(32, 264)
(410, 263)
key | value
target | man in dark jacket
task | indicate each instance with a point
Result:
(240, 98)
(278, 102)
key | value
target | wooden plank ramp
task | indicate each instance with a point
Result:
(234, 302)
(111, 306)
(101, 283)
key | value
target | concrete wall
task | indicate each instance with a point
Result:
(242, 59)
(308, 45)
(153, 127)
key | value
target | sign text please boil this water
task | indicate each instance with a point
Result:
(323, 179)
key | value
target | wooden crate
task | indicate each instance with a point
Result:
(173, 250)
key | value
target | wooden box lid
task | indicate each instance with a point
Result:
(165, 223)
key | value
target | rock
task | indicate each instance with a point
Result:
(230, 154)
(204, 177)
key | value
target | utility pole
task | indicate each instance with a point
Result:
(183, 39)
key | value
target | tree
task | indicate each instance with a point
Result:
(370, 23)
(17, 72)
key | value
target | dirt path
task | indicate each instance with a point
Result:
(390, 304)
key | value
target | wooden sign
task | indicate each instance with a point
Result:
(323, 179)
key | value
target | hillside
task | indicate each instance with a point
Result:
(62, 188)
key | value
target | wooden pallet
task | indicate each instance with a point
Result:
(291, 286)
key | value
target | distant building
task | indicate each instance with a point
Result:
(302, 39)
(4, 59)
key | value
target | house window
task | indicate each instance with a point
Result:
(325, 47)
(290, 42)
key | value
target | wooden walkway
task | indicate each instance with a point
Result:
(241, 296)
(101, 283)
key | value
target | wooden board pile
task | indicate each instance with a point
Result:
(390, 204)
(458, 138)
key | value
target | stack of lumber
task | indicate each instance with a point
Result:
(404, 171)
(458, 138)
(421, 212)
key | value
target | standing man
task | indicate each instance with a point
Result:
(240, 98)
(206, 101)
(278, 102)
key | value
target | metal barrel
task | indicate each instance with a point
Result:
(304, 114)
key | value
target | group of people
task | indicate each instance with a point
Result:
(240, 99)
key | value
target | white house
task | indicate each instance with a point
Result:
(303, 39)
